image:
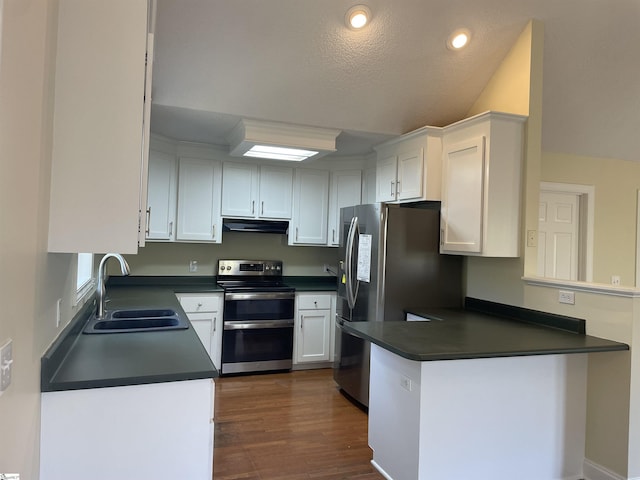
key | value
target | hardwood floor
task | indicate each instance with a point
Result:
(289, 426)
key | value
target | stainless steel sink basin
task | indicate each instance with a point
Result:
(136, 320)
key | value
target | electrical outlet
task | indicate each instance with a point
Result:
(532, 238)
(193, 266)
(565, 296)
(615, 280)
(405, 382)
(6, 359)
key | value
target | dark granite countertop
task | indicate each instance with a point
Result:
(463, 334)
(78, 361)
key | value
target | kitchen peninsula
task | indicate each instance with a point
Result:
(471, 395)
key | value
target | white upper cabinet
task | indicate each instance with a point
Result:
(199, 200)
(162, 193)
(481, 185)
(409, 167)
(252, 191)
(345, 191)
(98, 170)
(309, 221)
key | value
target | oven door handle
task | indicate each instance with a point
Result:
(259, 296)
(244, 325)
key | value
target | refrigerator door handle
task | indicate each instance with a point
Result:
(352, 292)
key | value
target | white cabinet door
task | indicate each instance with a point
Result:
(346, 188)
(313, 323)
(276, 184)
(481, 182)
(161, 196)
(97, 138)
(239, 189)
(386, 171)
(463, 193)
(410, 173)
(198, 200)
(313, 336)
(310, 208)
(203, 323)
(205, 313)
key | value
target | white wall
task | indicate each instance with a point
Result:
(32, 280)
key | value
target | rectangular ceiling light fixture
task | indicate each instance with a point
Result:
(280, 141)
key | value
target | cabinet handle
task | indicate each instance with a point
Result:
(442, 236)
(253, 207)
(213, 231)
(296, 234)
(398, 186)
(301, 320)
(262, 208)
(146, 230)
(392, 191)
(170, 229)
(214, 324)
(334, 235)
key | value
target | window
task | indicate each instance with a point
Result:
(84, 275)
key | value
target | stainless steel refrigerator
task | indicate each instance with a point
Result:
(389, 262)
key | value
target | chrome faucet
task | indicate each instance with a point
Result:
(124, 266)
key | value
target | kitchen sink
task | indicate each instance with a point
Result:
(136, 320)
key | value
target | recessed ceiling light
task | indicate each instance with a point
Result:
(459, 39)
(358, 16)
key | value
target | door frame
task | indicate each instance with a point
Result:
(586, 197)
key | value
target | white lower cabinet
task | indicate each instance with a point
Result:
(158, 430)
(313, 334)
(205, 313)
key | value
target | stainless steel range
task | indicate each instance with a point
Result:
(258, 316)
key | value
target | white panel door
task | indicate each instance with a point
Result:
(463, 196)
(198, 201)
(239, 189)
(386, 171)
(313, 336)
(310, 218)
(346, 188)
(276, 190)
(161, 196)
(410, 171)
(558, 235)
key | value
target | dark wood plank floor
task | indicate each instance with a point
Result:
(289, 426)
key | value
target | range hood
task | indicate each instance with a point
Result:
(260, 226)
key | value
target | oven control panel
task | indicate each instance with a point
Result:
(249, 267)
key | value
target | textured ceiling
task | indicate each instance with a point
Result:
(295, 61)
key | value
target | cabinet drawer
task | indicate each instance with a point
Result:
(192, 303)
(314, 302)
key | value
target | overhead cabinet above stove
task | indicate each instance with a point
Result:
(256, 191)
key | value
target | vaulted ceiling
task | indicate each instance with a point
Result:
(295, 61)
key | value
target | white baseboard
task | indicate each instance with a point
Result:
(380, 470)
(593, 471)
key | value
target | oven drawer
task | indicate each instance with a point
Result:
(194, 303)
(314, 302)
